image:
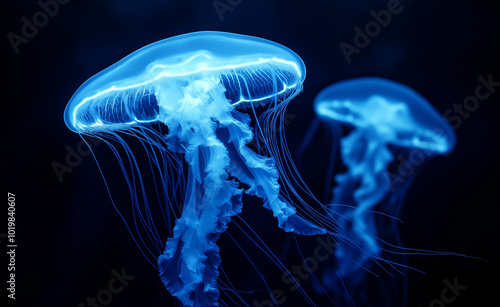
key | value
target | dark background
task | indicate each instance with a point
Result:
(69, 236)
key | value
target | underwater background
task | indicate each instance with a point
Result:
(72, 243)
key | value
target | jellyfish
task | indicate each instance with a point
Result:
(379, 123)
(199, 86)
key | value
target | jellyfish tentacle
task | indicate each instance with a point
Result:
(215, 147)
(365, 185)
(261, 175)
(193, 84)
(189, 265)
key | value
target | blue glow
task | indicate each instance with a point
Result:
(376, 121)
(392, 108)
(197, 85)
(253, 70)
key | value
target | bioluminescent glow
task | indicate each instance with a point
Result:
(376, 121)
(198, 85)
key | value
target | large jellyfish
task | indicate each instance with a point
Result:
(385, 130)
(197, 85)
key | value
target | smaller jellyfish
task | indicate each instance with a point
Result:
(376, 121)
(199, 86)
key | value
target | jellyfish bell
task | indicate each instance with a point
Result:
(253, 71)
(407, 118)
(196, 85)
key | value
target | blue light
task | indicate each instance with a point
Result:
(253, 70)
(388, 107)
(198, 86)
(375, 121)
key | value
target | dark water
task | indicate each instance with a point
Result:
(71, 242)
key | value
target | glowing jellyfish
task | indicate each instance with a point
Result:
(377, 121)
(197, 85)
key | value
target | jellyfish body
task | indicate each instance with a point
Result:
(383, 120)
(197, 85)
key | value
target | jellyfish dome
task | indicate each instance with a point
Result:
(250, 70)
(405, 117)
(199, 86)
